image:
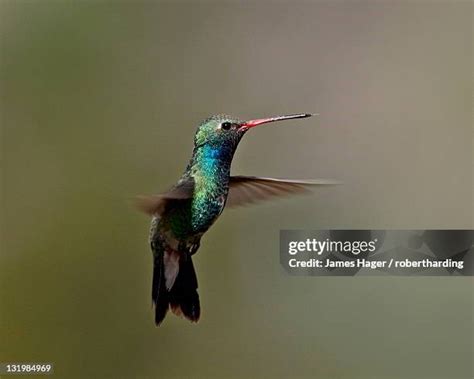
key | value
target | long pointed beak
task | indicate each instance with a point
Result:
(251, 123)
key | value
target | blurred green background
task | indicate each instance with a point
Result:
(99, 103)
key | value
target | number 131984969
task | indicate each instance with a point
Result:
(26, 368)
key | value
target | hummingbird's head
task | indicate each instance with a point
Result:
(220, 131)
(223, 131)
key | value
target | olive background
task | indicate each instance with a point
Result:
(99, 103)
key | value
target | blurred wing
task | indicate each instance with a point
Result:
(156, 204)
(244, 190)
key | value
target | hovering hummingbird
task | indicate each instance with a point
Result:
(183, 214)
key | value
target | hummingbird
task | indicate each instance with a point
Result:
(184, 213)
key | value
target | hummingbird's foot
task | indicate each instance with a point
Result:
(194, 248)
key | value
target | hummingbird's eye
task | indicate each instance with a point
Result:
(226, 125)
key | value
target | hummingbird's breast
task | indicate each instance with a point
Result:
(210, 171)
(208, 203)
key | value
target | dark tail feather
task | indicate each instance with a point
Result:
(183, 297)
(159, 294)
